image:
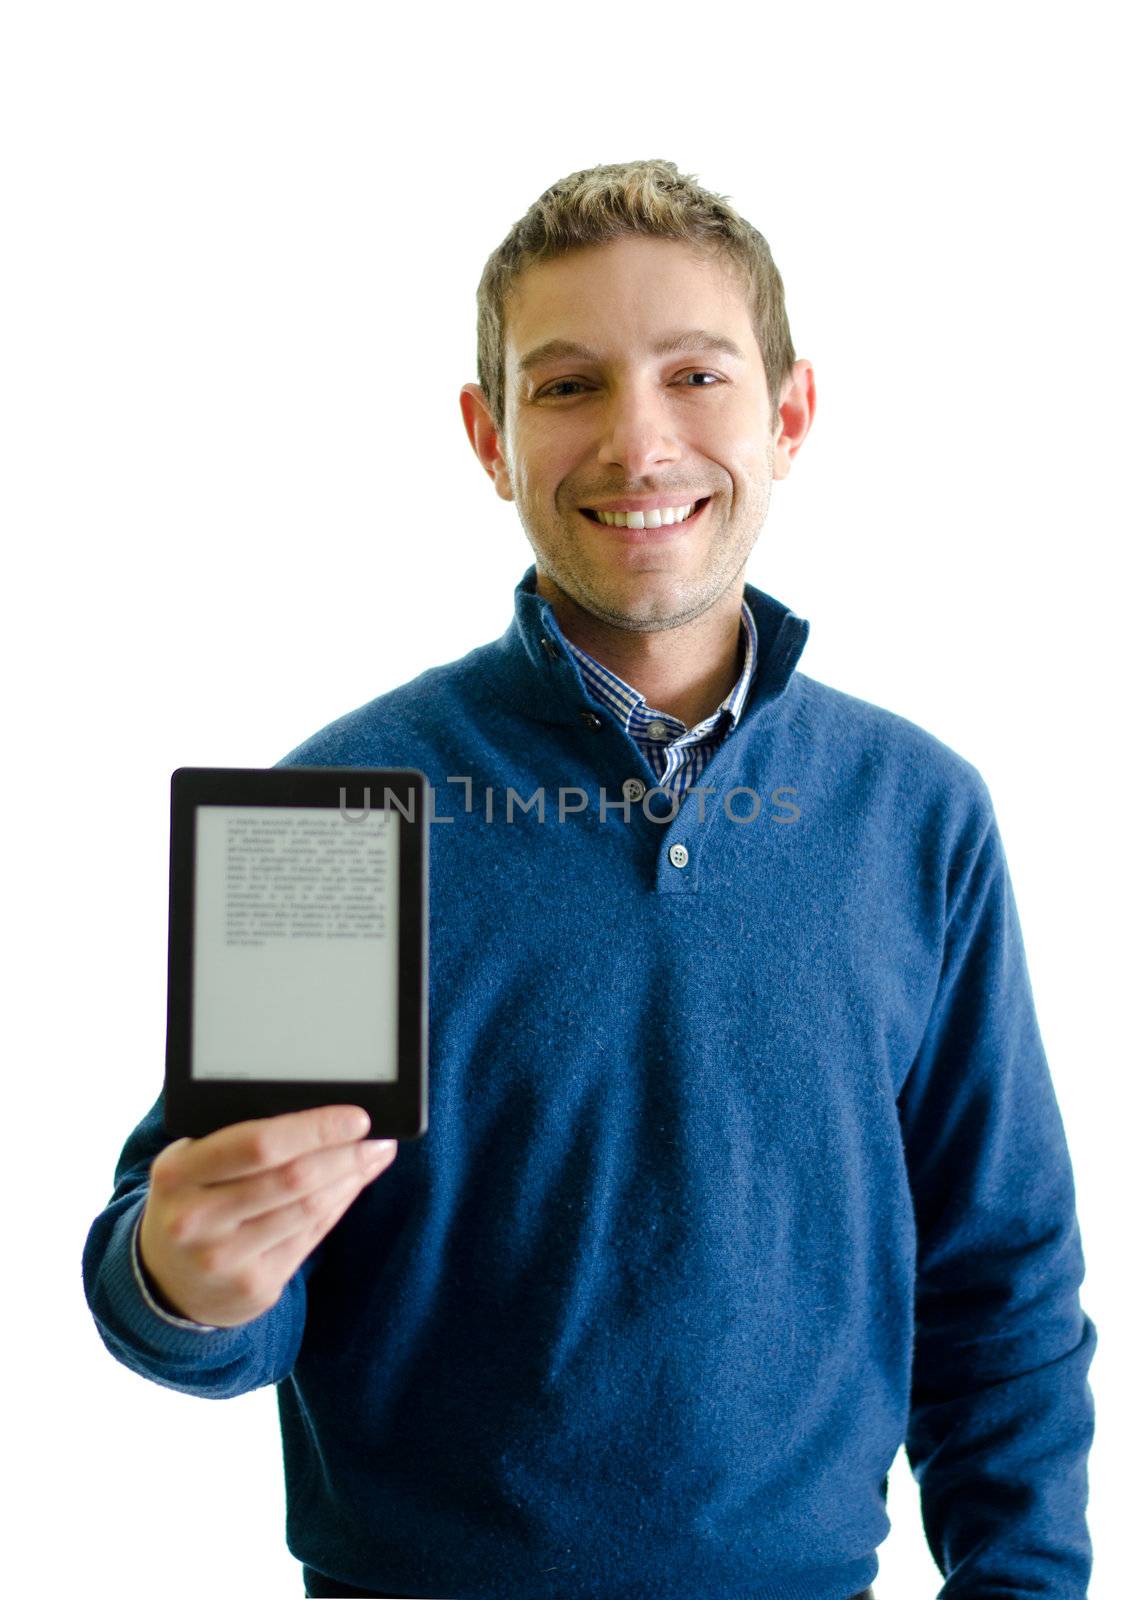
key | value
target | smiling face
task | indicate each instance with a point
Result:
(630, 421)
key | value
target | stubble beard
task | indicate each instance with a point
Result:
(665, 600)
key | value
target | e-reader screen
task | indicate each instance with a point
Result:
(295, 943)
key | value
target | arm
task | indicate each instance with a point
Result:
(1001, 1417)
(173, 1351)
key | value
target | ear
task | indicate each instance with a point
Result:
(485, 439)
(795, 416)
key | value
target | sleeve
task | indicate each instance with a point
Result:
(1001, 1413)
(215, 1363)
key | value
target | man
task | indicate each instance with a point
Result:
(744, 1165)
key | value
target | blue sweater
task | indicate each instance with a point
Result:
(744, 1167)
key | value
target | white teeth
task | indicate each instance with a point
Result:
(645, 519)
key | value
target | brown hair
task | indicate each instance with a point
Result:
(600, 204)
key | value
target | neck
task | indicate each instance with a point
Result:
(685, 671)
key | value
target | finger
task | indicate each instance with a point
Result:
(296, 1228)
(224, 1207)
(286, 1258)
(262, 1143)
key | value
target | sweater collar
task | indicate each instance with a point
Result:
(534, 668)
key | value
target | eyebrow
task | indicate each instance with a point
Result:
(689, 339)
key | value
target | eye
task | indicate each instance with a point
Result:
(566, 383)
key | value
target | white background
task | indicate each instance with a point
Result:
(242, 244)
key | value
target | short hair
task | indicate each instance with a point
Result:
(600, 204)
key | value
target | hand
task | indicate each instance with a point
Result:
(230, 1218)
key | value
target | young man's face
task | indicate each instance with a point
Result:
(630, 423)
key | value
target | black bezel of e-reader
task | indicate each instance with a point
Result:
(196, 1106)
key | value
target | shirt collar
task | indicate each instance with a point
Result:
(628, 704)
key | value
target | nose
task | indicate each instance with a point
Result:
(638, 436)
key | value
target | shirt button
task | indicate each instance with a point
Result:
(657, 730)
(633, 789)
(677, 855)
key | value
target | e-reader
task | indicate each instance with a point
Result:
(298, 946)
